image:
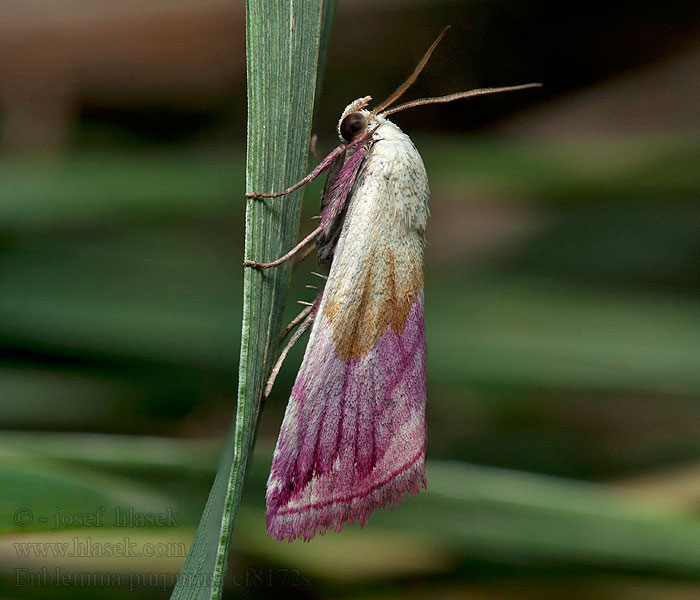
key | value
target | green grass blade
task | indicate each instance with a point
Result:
(468, 512)
(502, 517)
(283, 42)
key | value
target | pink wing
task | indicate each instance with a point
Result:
(353, 436)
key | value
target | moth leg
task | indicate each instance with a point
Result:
(295, 321)
(306, 323)
(322, 166)
(293, 252)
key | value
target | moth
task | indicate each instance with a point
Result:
(354, 432)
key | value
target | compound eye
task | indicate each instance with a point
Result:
(352, 125)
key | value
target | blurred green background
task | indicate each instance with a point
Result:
(562, 299)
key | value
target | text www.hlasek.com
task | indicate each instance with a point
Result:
(87, 547)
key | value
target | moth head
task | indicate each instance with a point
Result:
(355, 119)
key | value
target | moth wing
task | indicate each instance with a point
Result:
(339, 183)
(353, 435)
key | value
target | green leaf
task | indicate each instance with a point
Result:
(74, 489)
(500, 516)
(468, 512)
(534, 332)
(495, 513)
(84, 189)
(283, 48)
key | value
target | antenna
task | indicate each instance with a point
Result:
(459, 96)
(407, 84)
